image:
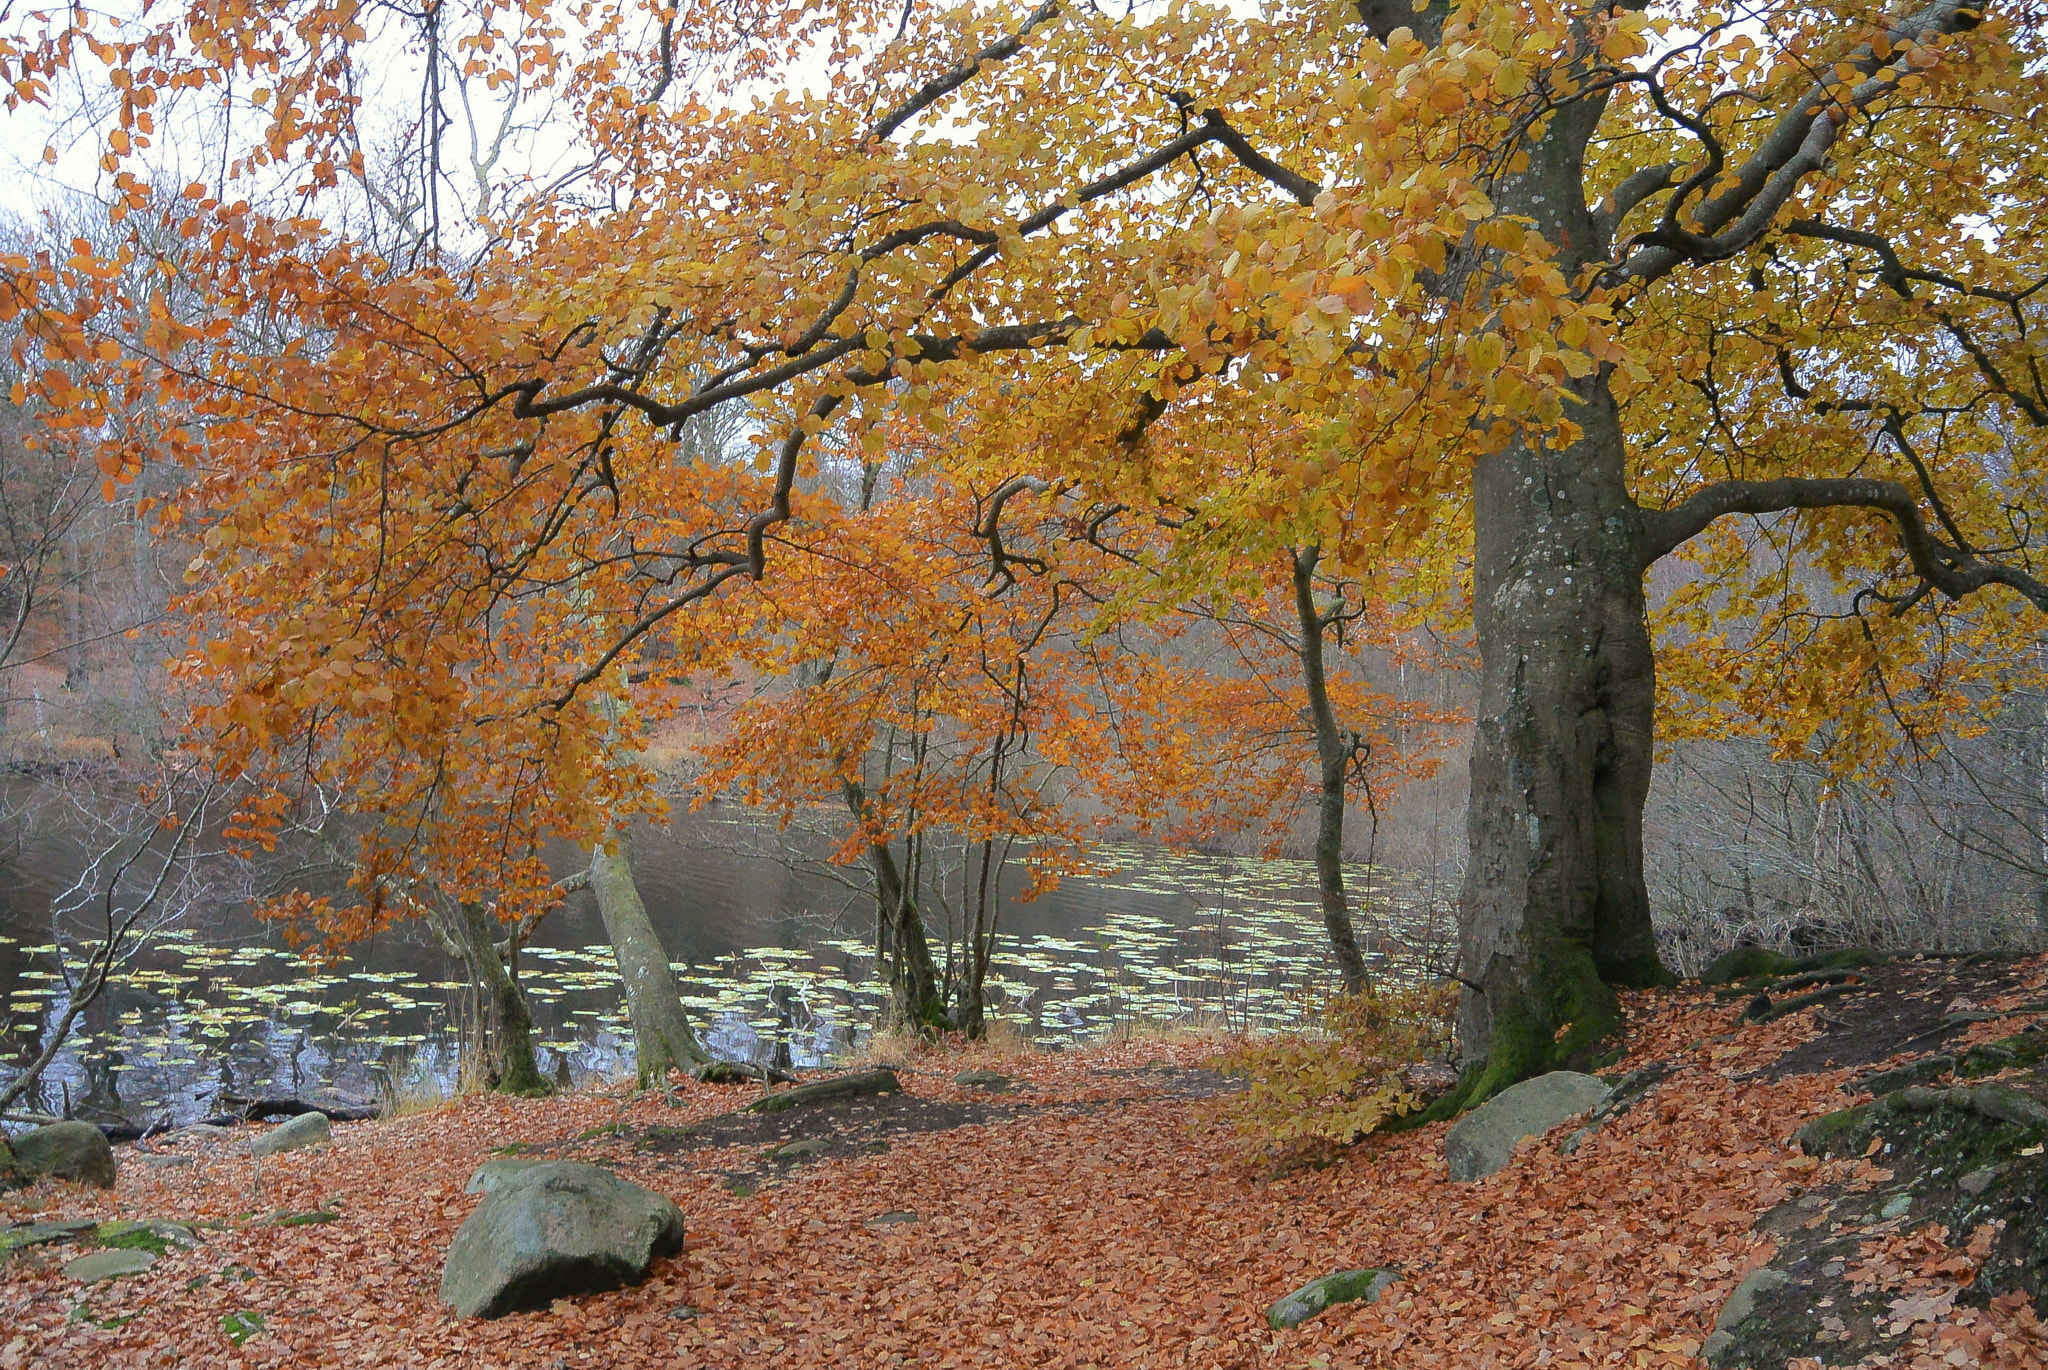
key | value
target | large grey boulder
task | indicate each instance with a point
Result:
(1484, 1140)
(66, 1151)
(489, 1176)
(308, 1129)
(552, 1230)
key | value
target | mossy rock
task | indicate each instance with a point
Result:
(1962, 1160)
(72, 1151)
(1761, 963)
(2021, 1051)
(860, 1085)
(1345, 1286)
(1746, 963)
(1848, 958)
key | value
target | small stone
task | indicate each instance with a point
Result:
(1977, 1181)
(109, 1265)
(198, 1132)
(995, 1082)
(66, 1151)
(805, 1146)
(308, 1129)
(163, 1162)
(686, 1312)
(1345, 1286)
(1895, 1207)
(1742, 1302)
(892, 1219)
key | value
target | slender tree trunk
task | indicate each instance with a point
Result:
(505, 1025)
(1333, 756)
(1556, 913)
(981, 938)
(662, 1039)
(915, 997)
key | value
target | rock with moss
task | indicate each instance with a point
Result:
(155, 1235)
(1345, 1286)
(1746, 963)
(1761, 963)
(1484, 1140)
(72, 1151)
(1965, 1160)
(555, 1230)
(993, 1081)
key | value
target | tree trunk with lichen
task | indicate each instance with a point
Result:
(1555, 910)
(916, 998)
(502, 1034)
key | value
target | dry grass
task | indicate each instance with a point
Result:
(1193, 1027)
(410, 1091)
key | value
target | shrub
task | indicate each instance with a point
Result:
(1314, 1092)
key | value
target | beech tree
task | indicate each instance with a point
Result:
(1563, 289)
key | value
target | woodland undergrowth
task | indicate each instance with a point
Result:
(1104, 1218)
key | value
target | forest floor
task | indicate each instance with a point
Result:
(1102, 1213)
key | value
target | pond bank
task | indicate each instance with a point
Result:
(1096, 1213)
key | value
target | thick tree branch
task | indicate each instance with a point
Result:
(1796, 146)
(1954, 571)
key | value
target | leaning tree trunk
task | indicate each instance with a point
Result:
(504, 1029)
(1333, 758)
(1555, 912)
(662, 1039)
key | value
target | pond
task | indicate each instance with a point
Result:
(771, 947)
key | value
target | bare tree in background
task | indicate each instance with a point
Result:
(139, 876)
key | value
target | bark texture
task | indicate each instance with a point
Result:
(916, 999)
(1555, 912)
(1333, 757)
(662, 1037)
(503, 1025)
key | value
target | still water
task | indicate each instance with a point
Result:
(773, 950)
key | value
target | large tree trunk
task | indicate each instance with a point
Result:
(662, 1039)
(1333, 756)
(504, 1026)
(1555, 909)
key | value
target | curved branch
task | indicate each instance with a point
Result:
(1796, 146)
(1953, 571)
(963, 71)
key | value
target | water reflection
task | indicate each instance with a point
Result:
(772, 954)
